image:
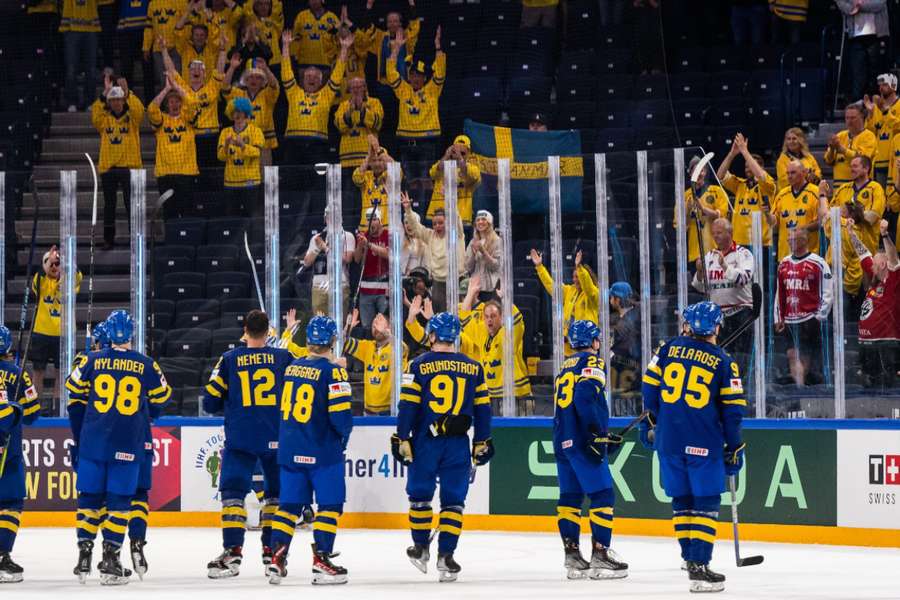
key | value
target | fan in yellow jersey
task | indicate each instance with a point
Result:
(196, 40)
(703, 204)
(852, 268)
(309, 106)
(375, 356)
(80, 25)
(795, 147)
(884, 121)
(269, 22)
(355, 65)
(849, 143)
(260, 86)
(468, 178)
(419, 126)
(117, 116)
(176, 153)
(371, 179)
(581, 298)
(357, 117)
(45, 340)
(239, 148)
(752, 193)
(796, 205)
(381, 38)
(222, 15)
(869, 195)
(484, 324)
(162, 16)
(311, 30)
(205, 95)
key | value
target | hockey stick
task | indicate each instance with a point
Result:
(757, 308)
(259, 294)
(355, 302)
(695, 176)
(750, 560)
(87, 332)
(159, 205)
(634, 423)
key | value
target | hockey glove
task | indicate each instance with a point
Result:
(597, 443)
(647, 433)
(482, 452)
(734, 459)
(401, 450)
(73, 456)
(451, 425)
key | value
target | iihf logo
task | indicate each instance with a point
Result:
(884, 469)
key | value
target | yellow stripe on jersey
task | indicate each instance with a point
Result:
(339, 407)
(650, 381)
(410, 398)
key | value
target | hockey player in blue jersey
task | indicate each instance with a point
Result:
(582, 445)
(246, 384)
(113, 394)
(693, 392)
(18, 406)
(443, 394)
(316, 422)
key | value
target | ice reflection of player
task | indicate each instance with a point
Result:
(213, 464)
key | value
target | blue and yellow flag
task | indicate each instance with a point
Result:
(528, 152)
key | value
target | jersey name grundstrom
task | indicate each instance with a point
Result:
(442, 366)
(704, 358)
(119, 364)
(247, 360)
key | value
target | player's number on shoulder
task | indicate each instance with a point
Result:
(263, 381)
(565, 389)
(448, 394)
(297, 404)
(691, 385)
(124, 394)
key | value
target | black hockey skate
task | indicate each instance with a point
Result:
(419, 556)
(324, 571)
(138, 560)
(10, 572)
(85, 556)
(703, 580)
(111, 570)
(576, 566)
(276, 570)
(448, 569)
(605, 564)
(227, 564)
(267, 556)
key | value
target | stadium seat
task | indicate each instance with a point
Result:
(614, 61)
(654, 138)
(536, 39)
(576, 63)
(727, 83)
(651, 87)
(217, 258)
(485, 66)
(479, 99)
(495, 40)
(809, 95)
(205, 320)
(181, 291)
(581, 24)
(227, 285)
(768, 124)
(614, 139)
(529, 63)
(689, 60)
(188, 342)
(689, 85)
(613, 114)
(803, 56)
(576, 89)
(767, 84)
(162, 313)
(201, 305)
(724, 58)
(531, 287)
(522, 252)
(225, 231)
(613, 38)
(575, 115)
(651, 113)
(694, 136)
(727, 112)
(765, 57)
(691, 112)
(528, 93)
(184, 277)
(225, 339)
(614, 88)
(171, 264)
(188, 232)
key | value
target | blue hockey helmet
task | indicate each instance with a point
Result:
(120, 327)
(100, 335)
(583, 333)
(703, 317)
(5, 339)
(320, 330)
(444, 326)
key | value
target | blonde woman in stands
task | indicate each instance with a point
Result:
(483, 255)
(795, 147)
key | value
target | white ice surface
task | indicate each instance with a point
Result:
(494, 565)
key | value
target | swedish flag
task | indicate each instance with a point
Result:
(528, 152)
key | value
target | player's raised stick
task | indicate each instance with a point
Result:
(750, 560)
(259, 294)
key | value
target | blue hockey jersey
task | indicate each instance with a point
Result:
(579, 395)
(113, 394)
(316, 419)
(694, 388)
(246, 383)
(439, 383)
(28, 400)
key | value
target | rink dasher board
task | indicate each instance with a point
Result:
(810, 481)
